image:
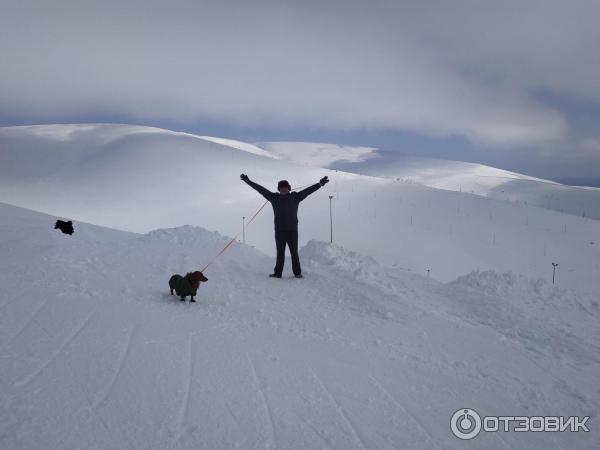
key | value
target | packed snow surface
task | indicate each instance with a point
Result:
(97, 354)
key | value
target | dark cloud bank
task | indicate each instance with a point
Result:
(465, 68)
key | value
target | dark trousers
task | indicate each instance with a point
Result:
(289, 237)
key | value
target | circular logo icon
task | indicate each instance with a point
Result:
(465, 423)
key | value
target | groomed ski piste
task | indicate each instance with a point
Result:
(362, 353)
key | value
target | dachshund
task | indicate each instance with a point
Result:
(188, 285)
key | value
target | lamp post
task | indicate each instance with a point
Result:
(330, 221)
(244, 229)
(554, 266)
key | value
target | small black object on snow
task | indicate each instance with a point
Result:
(65, 227)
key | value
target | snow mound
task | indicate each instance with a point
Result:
(344, 262)
(500, 284)
(187, 235)
(201, 248)
(337, 257)
(555, 321)
(322, 256)
(524, 291)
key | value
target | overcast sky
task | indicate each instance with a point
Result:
(510, 83)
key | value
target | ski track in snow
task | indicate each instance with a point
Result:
(399, 405)
(107, 429)
(27, 379)
(102, 397)
(28, 320)
(340, 410)
(319, 434)
(272, 432)
(180, 427)
(15, 297)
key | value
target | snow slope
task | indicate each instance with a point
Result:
(96, 354)
(140, 178)
(442, 174)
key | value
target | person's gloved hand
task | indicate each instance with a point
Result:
(244, 177)
(324, 181)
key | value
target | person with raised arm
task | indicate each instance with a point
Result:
(285, 204)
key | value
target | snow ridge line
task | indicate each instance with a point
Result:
(122, 357)
(54, 354)
(339, 408)
(265, 402)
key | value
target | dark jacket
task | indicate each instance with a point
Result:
(285, 206)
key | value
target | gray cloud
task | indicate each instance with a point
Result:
(441, 68)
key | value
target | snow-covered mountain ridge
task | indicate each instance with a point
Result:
(457, 176)
(141, 178)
